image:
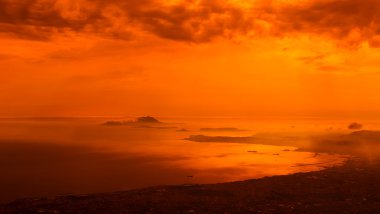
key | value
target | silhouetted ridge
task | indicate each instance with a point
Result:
(355, 125)
(147, 119)
(139, 120)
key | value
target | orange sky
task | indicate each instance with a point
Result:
(190, 58)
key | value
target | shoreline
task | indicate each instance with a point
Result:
(349, 188)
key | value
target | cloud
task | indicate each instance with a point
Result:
(199, 22)
(186, 21)
(348, 22)
(40, 19)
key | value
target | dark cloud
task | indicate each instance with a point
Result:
(350, 22)
(38, 19)
(27, 32)
(201, 23)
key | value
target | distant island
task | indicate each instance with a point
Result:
(138, 121)
(355, 126)
(147, 119)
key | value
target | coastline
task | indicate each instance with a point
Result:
(348, 188)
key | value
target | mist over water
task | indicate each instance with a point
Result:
(47, 157)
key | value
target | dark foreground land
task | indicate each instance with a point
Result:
(351, 188)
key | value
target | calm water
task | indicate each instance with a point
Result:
(45, 157)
